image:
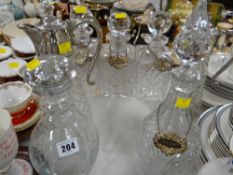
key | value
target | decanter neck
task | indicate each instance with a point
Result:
(184, 82)
(58, 101)
(114, 37)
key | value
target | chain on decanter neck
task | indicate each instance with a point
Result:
(171, 141)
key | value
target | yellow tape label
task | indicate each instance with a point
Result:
(64, 47)
(120, 15)
(52, 3)
(33, 64)
(80, 9)
(13, 65)
(2, 50)
(183, 102)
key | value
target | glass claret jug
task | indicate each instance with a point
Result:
(164, 144)
(114, 72)
(65, 141)
(86, 50)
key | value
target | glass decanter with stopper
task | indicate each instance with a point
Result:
(65, 141)
(193, 46)
(86, 50)
(154, 61)
(116, 65)
(164, 143)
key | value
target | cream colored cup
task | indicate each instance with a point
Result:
(8, 141)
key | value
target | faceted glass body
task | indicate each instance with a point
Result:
(116, 66)
(153, 72)
(165, 145)
(113, 80)
(65, 141)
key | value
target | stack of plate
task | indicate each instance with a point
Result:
(220, 90)
(216, 131)
(231, 118)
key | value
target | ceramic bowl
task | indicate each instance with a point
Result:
(14, 96)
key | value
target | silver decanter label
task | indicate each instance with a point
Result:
(170, 143)
(118, 62)
(162, 64)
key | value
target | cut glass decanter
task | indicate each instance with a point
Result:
(65, 141)
(193, 46)
(165, 145)
(154, 61)
(153, 72)
(116, 66)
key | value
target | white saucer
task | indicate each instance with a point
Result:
(5, 52)
(231, 143)
(216, 167)
(23, 45)
(35, 118)
(10, 68)
(213, 100)
(223, 124)
(20, 167)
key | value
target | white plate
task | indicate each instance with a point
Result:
(204, 124)
(213, 100)
(216, 167)
(223, 124)
(10, 68)
(23, 45)
(11, 30)
(217, 60)
(23, 58)
(5, 52)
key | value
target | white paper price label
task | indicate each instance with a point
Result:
(67, 147)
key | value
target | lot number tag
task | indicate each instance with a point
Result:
(67, 147)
